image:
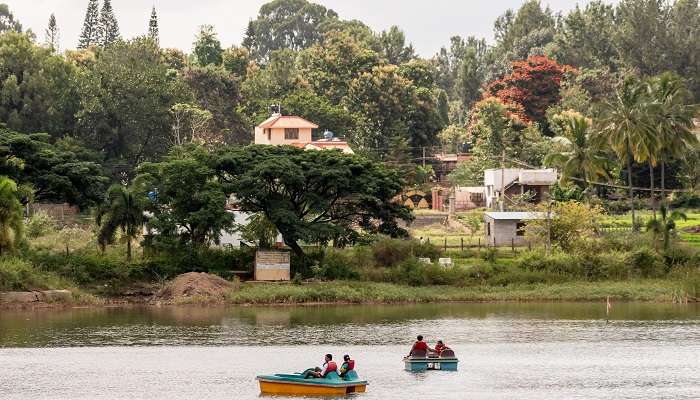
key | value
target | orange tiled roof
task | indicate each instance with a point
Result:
(287, 121)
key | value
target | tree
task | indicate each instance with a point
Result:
(125, 102)
(90, 35)
(192, 118)
(207, 47)
(533, 84)
(454, 138)
(8, 21)
(52, 36)
(285, 24)
(188, 204)
(673, 118)
(235, 60)
(109, 27)
(313, 196)
(572, 222)
(11, 221)
(509, 28)
(586, 37)
(575, 155)
(666, 226)
(123, 210)
(38, 90)
(394, 49)
(153, 26)
(627, 130)
(61, 172)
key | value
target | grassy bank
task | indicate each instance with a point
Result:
(370, 292)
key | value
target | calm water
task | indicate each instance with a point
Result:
(524, 351)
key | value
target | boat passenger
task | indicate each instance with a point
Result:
(311, 372)
(328, 367)
(439, 347)
(348, 365)
(419, 345)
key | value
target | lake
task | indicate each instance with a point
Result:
(506, 350)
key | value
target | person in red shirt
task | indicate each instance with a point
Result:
(328, 367)
(419, 345)
(439, 347)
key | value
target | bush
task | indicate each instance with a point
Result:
(390, 252)
(489, 254)
(680, 255)
(515, 276)
(645, 262)
(17, 274)
(555, 263)
(336, 265)
(40, 224)
(686, 200)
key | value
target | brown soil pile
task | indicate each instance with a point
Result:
(198, 285)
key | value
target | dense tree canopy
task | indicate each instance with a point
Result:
(313, 196)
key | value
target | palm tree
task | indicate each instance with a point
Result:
(11, 221)
(627, 129)
(673, 119)
(666, 226)
(122, 210)
(576, 156)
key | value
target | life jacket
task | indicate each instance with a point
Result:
(349, 365)
(330, 367)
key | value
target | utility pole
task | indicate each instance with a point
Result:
(503, 177)
(423, 156)
(549, 227)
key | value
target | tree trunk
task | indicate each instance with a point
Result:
(128, 249)
(295, 247)
(663, 180)
(652, 196)
(631, 190)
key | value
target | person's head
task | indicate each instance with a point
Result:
(346, 358)
(329, 357)
(440, 342)
(420, 337)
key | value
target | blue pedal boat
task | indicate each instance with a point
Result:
(420, 361)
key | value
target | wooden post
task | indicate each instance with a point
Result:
(445, 243)
(478, 248)
(529, 246)
(512, 245)
(427, 240)
(461, 243)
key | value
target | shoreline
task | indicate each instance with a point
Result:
(342, 293)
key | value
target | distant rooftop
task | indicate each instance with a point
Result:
(515, 215)
(287, 121)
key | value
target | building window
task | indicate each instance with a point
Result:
(291, 133)
(268, 132)
(520, 229)
(488, 229)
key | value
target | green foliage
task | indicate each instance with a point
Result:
(109, 28)
(207, 47)
(40, 224)
(91, 34)
(259, 231)
(19, 274)
(571, 223)
(393, 46)
(11, 222)
(390, 252)
(61, 172)
(645, 262)
(313, 196)
(153, 33)
(189, 203)
(123, 210)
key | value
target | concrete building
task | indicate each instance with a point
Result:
(507, 228)
(469, 197)
(517, 181)
(296, 131)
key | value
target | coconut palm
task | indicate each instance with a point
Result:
(11, 221)
(672, 117)
(576, 156)
(666, 226)
(628, 130)
(122, 210)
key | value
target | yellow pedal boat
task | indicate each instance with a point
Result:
(295, 384)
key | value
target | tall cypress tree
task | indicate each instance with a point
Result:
(90, 35)
(109, 28)
(52, 34)
(153, 26)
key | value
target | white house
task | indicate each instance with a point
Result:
(517, 181)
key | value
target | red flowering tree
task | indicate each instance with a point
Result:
(533, 85)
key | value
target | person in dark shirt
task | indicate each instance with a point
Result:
(348, 365)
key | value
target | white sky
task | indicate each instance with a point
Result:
(428, 24)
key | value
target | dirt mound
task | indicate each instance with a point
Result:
(197, 285)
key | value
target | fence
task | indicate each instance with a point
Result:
(444, 244)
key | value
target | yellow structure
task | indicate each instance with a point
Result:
(284, 129)
(308, 389)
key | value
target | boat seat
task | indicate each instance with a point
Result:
(419, 353)
(351, 376)
(447, 353)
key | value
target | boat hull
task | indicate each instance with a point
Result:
(427, 364)
(268, 387)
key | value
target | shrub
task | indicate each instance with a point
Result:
(555, 263)
(645, 262)
(336, 265)
(515, 276)
(390, 252)
(680, 255)
(18, 274)
(489, 254)
(40, 224)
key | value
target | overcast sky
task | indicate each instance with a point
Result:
(428, 24)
